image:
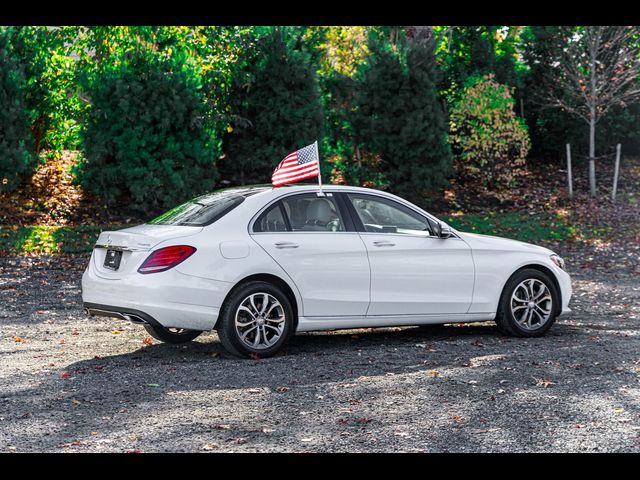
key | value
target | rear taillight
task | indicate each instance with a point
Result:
(166, 258)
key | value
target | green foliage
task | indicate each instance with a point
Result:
(275, 107)
(470, 51)
(489, 141)
(16, 151)
(50, 87)
(146, 138)
(399, 119)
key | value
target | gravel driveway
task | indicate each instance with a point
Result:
(69, 383)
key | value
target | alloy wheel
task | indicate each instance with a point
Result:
(260, 321)
(531, 304)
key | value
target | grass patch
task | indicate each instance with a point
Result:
(537, 227)
(50, 240)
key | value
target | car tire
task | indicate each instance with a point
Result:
(248, 327)
(172, 335)
(528, 304)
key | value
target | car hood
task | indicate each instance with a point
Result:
(488, 242)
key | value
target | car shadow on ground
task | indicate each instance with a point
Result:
(320, 371)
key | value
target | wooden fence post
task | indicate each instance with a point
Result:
(615, 173)
(569, 177)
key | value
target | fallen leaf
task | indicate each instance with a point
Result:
(543, 382)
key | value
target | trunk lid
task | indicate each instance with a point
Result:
(135, 243)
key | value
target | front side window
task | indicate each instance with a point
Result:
(381, 215)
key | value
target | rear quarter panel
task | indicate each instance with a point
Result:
(227, 253)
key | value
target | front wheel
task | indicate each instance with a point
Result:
(172, 335)
(527, 305)
(256, 320)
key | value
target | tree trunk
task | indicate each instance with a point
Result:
(592, 125)
(358, 156)
(592, 152)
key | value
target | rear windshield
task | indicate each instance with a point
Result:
(206, 209)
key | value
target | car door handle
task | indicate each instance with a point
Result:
(384, 243)
(287, 245)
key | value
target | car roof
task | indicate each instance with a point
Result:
(250, 189)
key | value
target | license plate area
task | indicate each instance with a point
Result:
(112, 259)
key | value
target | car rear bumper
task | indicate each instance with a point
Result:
(169, 299)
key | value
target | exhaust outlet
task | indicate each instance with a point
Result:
(135, 319)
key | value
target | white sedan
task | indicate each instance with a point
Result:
(260, 263)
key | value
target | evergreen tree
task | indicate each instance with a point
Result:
(145, 138)
(16, 145)
(276, 109)
(400, 119)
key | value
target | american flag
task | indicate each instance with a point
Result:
(296, 166)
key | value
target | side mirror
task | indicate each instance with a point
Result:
(445, 231)
(442, 231)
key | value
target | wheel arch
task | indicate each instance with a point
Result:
(548, 272)
(273, 279)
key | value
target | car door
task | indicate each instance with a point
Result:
(306, 234)
(413, 272)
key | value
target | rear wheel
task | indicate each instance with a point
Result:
(527, 305)
(172, 335)
(256, 320)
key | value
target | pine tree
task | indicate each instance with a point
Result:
(16, 146)
(399, 117)
(145, 138)
(275, 112)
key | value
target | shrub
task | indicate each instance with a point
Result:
(16, 146)
(50, 88)
(145, 138)
(276, 109)
(489, 141)
(400, 119)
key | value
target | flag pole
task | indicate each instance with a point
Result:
(320, 193)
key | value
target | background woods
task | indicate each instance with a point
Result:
(106, 125)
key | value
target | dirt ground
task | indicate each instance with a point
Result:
(70, 383)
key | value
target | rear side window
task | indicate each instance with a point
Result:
(203, 210)
(306, 212)
(271, 220)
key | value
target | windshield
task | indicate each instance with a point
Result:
(206, 209)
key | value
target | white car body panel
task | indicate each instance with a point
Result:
(330, 269)
(417, 275)
(338, 279)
